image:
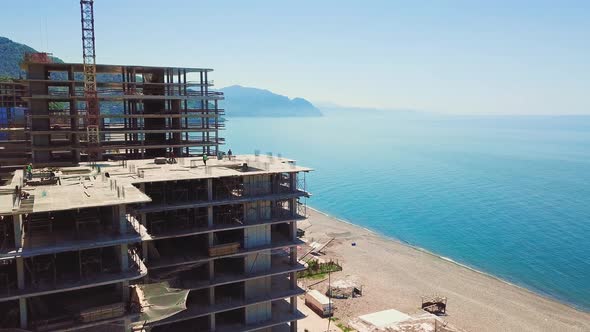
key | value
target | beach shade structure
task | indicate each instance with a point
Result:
(344, 289)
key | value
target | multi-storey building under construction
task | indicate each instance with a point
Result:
(168, 247)
(148, 237)
(144, 112)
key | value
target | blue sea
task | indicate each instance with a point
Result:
(506, 195)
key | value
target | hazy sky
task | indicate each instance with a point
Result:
(475, 57)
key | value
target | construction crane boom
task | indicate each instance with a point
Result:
(90, 92)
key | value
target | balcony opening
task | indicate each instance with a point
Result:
(159, 223)
(73, 225)
(198, 298)
(68, 268)
(6, 233)
(191, 325)
(228, 267)
(228, 188)
(187, 247)
(230, 294)
(177, 192)
(280, 233)
(228, 215)
(10, 317)
(8, 277)
(231, 319)
(69, 309)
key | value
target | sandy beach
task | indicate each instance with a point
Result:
(395, 276)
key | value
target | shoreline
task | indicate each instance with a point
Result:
(395, 274)
(450, 260)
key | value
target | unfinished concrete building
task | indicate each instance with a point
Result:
(14, 139)
(145, 112)
(153, 245)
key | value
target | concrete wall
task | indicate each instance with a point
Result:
(257, 236)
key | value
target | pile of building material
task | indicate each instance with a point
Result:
(224, 249)
(395, 321)
(344, 289)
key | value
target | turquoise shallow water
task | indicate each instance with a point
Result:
(509, 196)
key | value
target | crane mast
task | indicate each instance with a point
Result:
(90, 91)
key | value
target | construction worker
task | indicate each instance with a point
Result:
(30, 171)
(229, 154)
(205, 159)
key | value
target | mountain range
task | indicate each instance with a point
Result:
(239, 101)
(243, 101)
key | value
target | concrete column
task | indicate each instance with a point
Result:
(124, 258)
(144, 251)
(293, 180)
(212, 296)
(22, 303)
(125, 291)
(210, 189)
(211, 270)
(293, 303)
(122, 217)
(293, 255)
(293, 206)
(293, 326)
(127, 325)
(20, 272)
(211, 238)
(293, 227)
(212, 323)
(210, 216)
(293, 280)
(18, 230)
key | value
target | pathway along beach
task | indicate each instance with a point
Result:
(395, 276)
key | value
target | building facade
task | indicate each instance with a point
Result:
(153, 246)
(145, 112)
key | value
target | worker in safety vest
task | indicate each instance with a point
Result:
(30, 171)
(205, 159)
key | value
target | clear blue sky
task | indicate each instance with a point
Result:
(474, 57)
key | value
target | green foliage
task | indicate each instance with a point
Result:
(344, 328)
(11, 55)
(316, 270)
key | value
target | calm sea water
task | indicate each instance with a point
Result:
(509, 196)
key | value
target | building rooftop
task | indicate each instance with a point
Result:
(112, 68)
(85, 186)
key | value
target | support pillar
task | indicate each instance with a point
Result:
(18, 230)
(210, 189)
(293, 255)
(122, 217)
(293, 326)
(144, 251)
(293, 280)
(212, 323)
(125, 291)
(22, 303)
(212, 296)
(209, 216)
(293, 303)
(20, 272)
(124, 258)
(127, 325)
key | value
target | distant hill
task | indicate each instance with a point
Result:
(243, 101)
(11, 54)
